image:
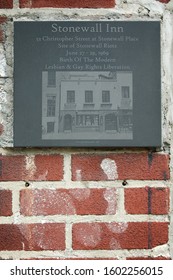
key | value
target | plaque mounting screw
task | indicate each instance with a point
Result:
(27, 184)
(124, 183)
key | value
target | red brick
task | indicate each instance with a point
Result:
(67, 3)
(136, 201)
(123, 166)
(5, 203)
(159, 201)
(6, 4)
(147, 201)
(68, 202)
(149, 258)
(2, 21)
(32, 237)
(43, 167)
(69, 259)
(1, 40)
(164, 1)
(160, 258)
(25, 3)
(112, 236)
(1, 126)
(158, 233)
(52, 165)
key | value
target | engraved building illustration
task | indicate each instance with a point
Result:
(87, 105)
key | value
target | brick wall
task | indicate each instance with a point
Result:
(84, 203)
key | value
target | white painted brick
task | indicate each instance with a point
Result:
(3, 62)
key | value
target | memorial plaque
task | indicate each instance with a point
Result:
(87, 83)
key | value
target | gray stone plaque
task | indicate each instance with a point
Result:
(87, 83)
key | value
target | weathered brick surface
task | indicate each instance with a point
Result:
(37, 168)
(2, 21)
(164, 1)
(32, 237)
(136, 201)
(147, 201)
(160, 201)
(1, 125)
(134, 166)
(68, 202)
(111, 236)
(69, 259)
(5, 203)
(49, 167)
(67, 3)
(158, 234)
(149, 258)
(6, 4)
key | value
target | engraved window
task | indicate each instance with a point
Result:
(51, 79)
(105, 96)
(51, 104)
(125, 92)
(70, 96)
(87, 120)
(88, 96)
(50, 127)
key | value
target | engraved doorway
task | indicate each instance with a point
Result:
(111, 122)
(68, 122)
